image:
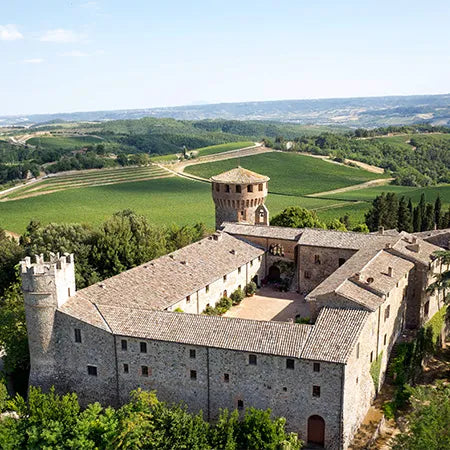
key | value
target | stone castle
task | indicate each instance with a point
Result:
(362, 291)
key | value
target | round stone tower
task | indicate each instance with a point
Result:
(237, 194)
(46, 286)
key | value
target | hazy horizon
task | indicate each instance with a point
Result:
(106, 55)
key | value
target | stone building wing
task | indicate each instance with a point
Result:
(239, 175)
(163, 282)
(441, 238)
(415, 249)
(273, 338)
(84, 311)
(334, 334)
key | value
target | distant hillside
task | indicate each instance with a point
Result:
(349, 112)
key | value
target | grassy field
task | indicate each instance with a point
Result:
(162, 201)
(290, 173)
(213, 149)
(410, 192)
(64, 142)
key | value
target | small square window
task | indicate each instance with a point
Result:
(316, 259)
(307, 275)
(290, 364)
(143, 346)
(387, 312)
(126, 368)
(316, 367)
(249, 188)
(252, 360)
(77, 335)
(240, 404)
(260, 187)
(144, 371)
(426, 308)
(124, 344)
(316, 391)
(193, 374)
(226, 377)
(227, 188)
(259, 258)
(188, 299)
(224, 278)
(207, 288)
(357, 380)
(238, 189)
(92, 370)
(285, 389)
(239, 270)
(192, 353)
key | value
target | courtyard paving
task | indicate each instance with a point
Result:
(270, 304)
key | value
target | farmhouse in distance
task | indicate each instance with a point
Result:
(145, 327)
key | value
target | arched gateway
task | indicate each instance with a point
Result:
(316, 430)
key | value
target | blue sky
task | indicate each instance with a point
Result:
(81, 55)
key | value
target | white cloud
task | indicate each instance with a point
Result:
(62, 36)
(9, 33)
(33, 61)
(75, 54)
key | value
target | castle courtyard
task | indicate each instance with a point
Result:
(270, 304)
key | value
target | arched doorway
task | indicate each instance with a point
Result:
(274, 274)
(316, 430)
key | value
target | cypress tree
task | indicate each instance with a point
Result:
(417, 219)
(428, 218)
(410, 207)
(438, 211)
(391, 217)
(404, 222)
(376, 216)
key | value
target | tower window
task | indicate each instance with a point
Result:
(126, 368)
(240, 404)
(77, 335)
(238, 189)
(252, 360)
(143, 347)
(290, 364)
(124, 344)
(193, 374)
(226, 377)
(144, 371)
(316, 367)
(250, 188)
(316, 391)
(227, 188)
(192, 353)
(92, 370)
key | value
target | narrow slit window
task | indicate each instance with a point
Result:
(77, 335)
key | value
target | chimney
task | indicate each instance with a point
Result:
(413, 239)
(217, 236)
(388, 245)
(414, 248)
(390, 272)
(233, 252)
(357, 276)
(380, 230)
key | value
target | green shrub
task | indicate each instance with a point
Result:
(222, 306)
(210, 311)
(250, 288)
(3, 396)
(306, 320)
(178, 309)
(237, 296)
(375, 369)
(389, 410)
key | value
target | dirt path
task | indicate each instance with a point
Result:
(355, 187)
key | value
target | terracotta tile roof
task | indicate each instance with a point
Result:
(289, 234)
(85, 311)
(359, 295)
(274, 338)
(334, 334)
(164, 281)
(343, 239)
(239, 175)
(415, 249)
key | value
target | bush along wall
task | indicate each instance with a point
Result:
(407, 364)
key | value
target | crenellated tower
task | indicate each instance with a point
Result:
(237, 194)
(46, 286)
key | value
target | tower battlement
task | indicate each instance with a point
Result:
(38, 266)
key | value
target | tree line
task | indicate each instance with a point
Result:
(390, 211)
(54, 421)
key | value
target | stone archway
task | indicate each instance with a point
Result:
(316, 430)
(274, 274)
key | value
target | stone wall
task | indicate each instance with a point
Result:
(315, 264)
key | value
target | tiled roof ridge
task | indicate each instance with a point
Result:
(354, 300)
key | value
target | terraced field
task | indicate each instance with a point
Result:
(64, 142)
(88, 178)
